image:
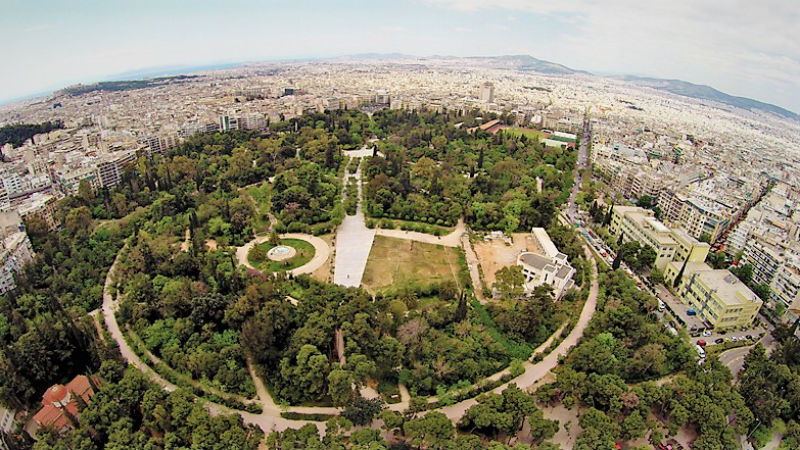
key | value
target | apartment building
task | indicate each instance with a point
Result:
(43, 206)
(162, 144)
(716, 295)
(15, 252)
(228, 123)
(765, 259)
(785, 285)
(702, 216)
(110, 167)
(670, 203)
(69, 180)
(7, 424)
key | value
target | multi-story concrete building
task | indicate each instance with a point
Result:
(110, 167)
(701, 216)
(43, 206)
(161, 144)
(487, 92)
(765, 259)
(670, 203)
(785, 285)
(227, 123)
(717, 296)
(689, 247)
(7, 424)
(640, 225)
(15, 252)
(69, 180)
(549, 267)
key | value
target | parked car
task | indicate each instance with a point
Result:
(719, 341)
(707, 333)
(701, 342)
(691, 312)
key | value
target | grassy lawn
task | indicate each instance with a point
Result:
(258, 256)
(400, 264)
(529, 133)
(262, 196)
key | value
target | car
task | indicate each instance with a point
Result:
(749, 336)
(735, 339)
(691, 312)
(701, 342)
(719, 341)
(707, 333)
(695, 334)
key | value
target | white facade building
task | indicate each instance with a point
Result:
(550, 267)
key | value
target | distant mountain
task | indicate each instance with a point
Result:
(523, 63)
(527, 63)
(380, 56)
(703, 92)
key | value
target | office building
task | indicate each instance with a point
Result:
(640, 225)
(717, 295)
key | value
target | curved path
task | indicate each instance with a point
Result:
(452, 239)
(535, 372)
(270, 419)
(321, 252)
(109, 309)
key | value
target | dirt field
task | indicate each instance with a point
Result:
(325, 273)
(496, 254)
(397, 263)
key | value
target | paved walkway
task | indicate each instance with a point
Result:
(360, 153)
(452, 239)
(109, 308)
(321, 252)
(353, 244)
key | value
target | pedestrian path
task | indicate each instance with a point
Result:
(353, 244)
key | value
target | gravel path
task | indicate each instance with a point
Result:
(452, 239)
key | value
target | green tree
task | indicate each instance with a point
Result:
(361, 411)
(432, 430)
(510, 281)
(340, 387)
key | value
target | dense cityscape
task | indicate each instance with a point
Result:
(395, 252)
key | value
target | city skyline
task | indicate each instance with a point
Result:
(99, 41)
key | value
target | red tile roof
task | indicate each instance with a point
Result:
(59, 401)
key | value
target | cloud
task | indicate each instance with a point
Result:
(36, 28)
(393, 28)
(731, 44)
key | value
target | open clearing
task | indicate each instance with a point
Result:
(496, 254)
(258, 256)
(400, 263)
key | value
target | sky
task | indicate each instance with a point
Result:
(743, 48)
